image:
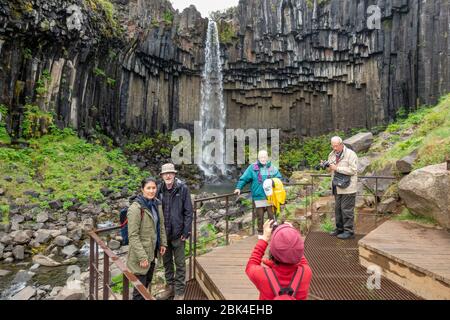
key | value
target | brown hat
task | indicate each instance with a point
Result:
(168, 168)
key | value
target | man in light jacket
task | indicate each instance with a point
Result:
(345, 161)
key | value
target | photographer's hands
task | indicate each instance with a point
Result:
(268, 227)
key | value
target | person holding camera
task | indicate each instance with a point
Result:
(343, 165)
(286, 275)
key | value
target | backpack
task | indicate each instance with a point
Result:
(124, 224)
(287, 293)
(277, 194)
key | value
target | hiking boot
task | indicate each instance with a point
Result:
(346, 235)
(336, 233)
(168, 293)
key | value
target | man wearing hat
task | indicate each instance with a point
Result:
(177, 208)
(286, 260)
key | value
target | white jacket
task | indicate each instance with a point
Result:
(348, 165)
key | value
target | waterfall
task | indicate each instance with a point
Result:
(212, 110)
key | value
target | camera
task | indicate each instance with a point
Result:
(322, 166)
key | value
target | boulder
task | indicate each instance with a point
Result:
(22, 237)
(45, 261)
(25, 294)
(405, 165)
(114, 244)
(2, 192)
(19, 252)
(23, 276)
(427, 192)
(4, 273)
(71, 294)
(42, 236)
(69, 251)
(42, 217)
(360, 142)
(55, 204)
(62, 241)
(387, 206)
(17, 218)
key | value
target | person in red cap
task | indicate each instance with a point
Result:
(286, 259)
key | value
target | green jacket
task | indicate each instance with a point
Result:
(251, 176)
(142, 237)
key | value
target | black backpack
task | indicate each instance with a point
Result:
(124, 224)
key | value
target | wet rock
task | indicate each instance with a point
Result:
(9, 260)
(42, 217)
(71, 225)
(55, 204)
(37, 226)
(22, 237)
(62, 241)
(34, 267)
(75, 234)
(114, 244)
(45, 261)
(23, 276)
(19, 252)
(106, 191)
(32, 193)
(17, 218)
(55, 291)
(69, 251)
(4, 273)
(87, 224)
(25, 294)
(71, 294)
(55, 233)
(69, 261)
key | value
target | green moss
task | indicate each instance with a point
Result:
(70, 166)
(42, 83)
(36, 123)
(406, 215)
(99, 72)
(227, 33)
(430, 136)
(168, 17)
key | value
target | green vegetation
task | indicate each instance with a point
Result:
(99, 72)
(160, 143)
(406, 215)
(42, 83)
(110, 27)
(427, 131)
(208, 240)
(4, 136)
(4, 213)
(227, 33)
(36, 122)
(117, 284)
(309, 151)
(168, 17)
(327, 225)
(70, 166)
(27, 55)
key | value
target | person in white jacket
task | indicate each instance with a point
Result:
(345, 161)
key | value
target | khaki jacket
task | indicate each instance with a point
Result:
(142, 237)
(348, 165)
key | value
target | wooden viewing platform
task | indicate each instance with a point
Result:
(414, 256)
(221, 272)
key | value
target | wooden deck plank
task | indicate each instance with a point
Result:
(418, 247)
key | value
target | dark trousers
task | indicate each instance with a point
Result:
(344, 212)
(260, 217)
(175, 274)
(145, 279)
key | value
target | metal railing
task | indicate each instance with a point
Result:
(129, 278)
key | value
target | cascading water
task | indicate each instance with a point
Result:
(212, 111)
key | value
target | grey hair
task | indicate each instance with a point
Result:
(337, 139)
(261, 152)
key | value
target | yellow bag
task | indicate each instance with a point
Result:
(278, 196)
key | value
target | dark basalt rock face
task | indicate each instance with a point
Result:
(305, 66)
(315, 66)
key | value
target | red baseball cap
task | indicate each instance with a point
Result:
(286, 245)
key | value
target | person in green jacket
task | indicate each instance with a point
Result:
(146, 234)
(256, 174)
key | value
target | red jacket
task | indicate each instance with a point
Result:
(284, 273)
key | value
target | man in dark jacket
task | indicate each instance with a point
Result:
(177, 208)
